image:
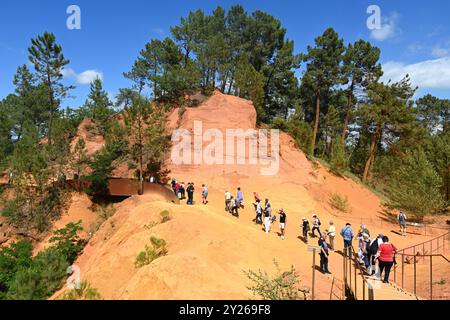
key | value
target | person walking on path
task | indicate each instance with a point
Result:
(347, 234)
(190, 191)
(316, 226)
(228, 201)
(402, 221)
(182, 191)
(374, 245)
(323, 253)
(240, 198)
(234, 207)
(385, 255)
(306, 228)
(282, 223)
(331, 235)
(258, 210)
(267, 215)
(366, 251)
(204, 194)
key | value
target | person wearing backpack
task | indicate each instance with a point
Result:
(402, 222)
(258, 210)
(316, 226)
(306, 228)
(374, 245)
(347, 234)
(386, 252)
(267, 215)
(234, 207)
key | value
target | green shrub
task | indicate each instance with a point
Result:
(338, 160)
(165, 215)
(67, 242)
(44, 277)
(15, 257)
(284, 286)
(157, 249)
(83, 292)
(339, 202)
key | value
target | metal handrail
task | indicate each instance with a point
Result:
(426, 242)
(348, 279)
(415, 256)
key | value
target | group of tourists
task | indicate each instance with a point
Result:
(234, 204)
(371, 252)
(181, 189)
(269, 217)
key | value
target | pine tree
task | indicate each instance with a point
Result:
(323, 71)
(360, 68)
(99, 105)
(415, 186)
(48, 60)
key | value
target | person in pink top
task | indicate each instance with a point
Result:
(385, 255)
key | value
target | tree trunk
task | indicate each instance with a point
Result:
(369, 161)
(50, 122)
(347, 113)
(316, 124)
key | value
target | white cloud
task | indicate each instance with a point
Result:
(159, 31)
(440, 52)
(388, 29)
(441, 49)
(84, 78)
(430, 74)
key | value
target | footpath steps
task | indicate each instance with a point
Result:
(384, 291)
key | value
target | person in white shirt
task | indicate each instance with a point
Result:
(227, 201)
(331, 234)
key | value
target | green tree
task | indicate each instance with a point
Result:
(48, 60)
(99, 105)
(323, 70)
(361, 67)
(250, 85)
(388, 111)
(415, 186)
(13, 258)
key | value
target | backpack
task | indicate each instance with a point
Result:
(318, 222)
(374, 247)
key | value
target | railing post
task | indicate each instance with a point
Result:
(431, 277)
(395, 268)
(356, 283)
(364, 290)
(415, 273)
(403, 271)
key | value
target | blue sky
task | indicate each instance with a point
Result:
(414, 36)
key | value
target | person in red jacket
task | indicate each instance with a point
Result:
(385, 255)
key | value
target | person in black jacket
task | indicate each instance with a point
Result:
(306, 228)
(190, 191)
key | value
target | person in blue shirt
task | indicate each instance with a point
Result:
(240, 198)
(347, 234)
